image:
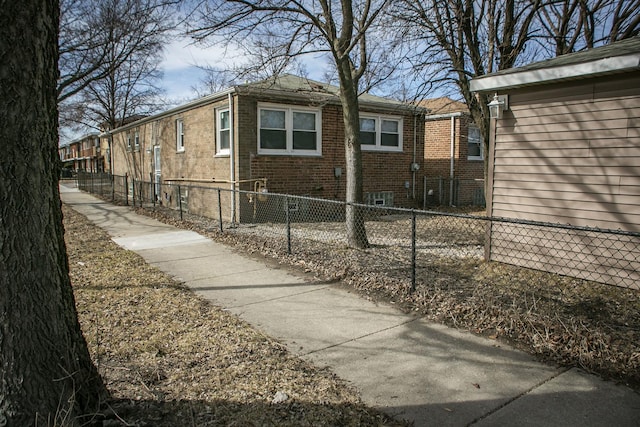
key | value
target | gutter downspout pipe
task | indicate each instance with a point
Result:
(232, 162)
(415, 140)
(451, 159)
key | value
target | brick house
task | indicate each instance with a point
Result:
(453, 155)
(82, 154)
(285, 133)
(566, 149)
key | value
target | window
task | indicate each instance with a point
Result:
(223, 139)
(475, 144)
(179, 135)
(129, 142)
(379, 133)
(289, 130)
(136, 141)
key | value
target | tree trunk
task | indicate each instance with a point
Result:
(356, 231)
(46, 373)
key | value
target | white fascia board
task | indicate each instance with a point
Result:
(554, 74)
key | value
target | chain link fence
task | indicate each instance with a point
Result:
(440, 191)
(412, 248)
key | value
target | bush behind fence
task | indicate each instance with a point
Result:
(413, 247)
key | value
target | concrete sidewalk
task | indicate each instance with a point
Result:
(411, 369)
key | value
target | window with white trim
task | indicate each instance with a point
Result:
(475, 144)
(129, 143)
(289, 130)
(380, 133)
(179, 135)
(223, 131)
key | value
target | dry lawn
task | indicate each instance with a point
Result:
(169, 358)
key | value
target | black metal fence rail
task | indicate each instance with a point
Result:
(412, 247)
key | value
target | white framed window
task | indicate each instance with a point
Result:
(223, 131)
(289, 130)
(179, 135)
(136, 141)
(475, 144)
(129, 142)
(380, 133)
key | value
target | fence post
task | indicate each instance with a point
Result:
(113, 187)
(180, 201)
(220, 210)
(126, 189)
(413, 250)
(287, 216)
(133, 192)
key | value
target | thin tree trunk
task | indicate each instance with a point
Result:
(46, 374)
(356, 231)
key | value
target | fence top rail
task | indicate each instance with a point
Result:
(406, 211)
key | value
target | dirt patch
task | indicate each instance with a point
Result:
(169, 358)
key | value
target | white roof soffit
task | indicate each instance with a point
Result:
(555, 74)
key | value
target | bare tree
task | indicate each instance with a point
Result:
(97, 37)
(46, 374)
(456, 40)
(340, 29)
(572, 25)
(130, 88)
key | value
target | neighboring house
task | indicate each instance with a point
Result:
(567, 150)
(82, 154)
(285, 133)
(453, 155)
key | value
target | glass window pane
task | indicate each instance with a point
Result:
(304, 140)
(270, 119)
(224, 120)
(368, 125)
(367, 138)
(224, 140)
(304, 121)
(474, 134)
(273, 139)
(474, 150)
(390, 126)
(389, 140)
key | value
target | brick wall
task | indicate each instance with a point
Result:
(300, 175)
(437, 161)
(315, 176)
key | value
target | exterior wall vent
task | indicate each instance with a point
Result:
(380, 198)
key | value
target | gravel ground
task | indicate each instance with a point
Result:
(169, 358)
(561, 320)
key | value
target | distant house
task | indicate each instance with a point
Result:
(285, 134)
(453, 155)
(567, 150)
(82, 154)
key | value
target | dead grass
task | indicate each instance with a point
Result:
(169, 358)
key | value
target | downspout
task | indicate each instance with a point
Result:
(415, 140)
(451, 160)
(232, 160)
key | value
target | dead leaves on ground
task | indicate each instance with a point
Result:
(169, 358)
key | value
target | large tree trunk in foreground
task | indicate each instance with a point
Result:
(46, 374)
